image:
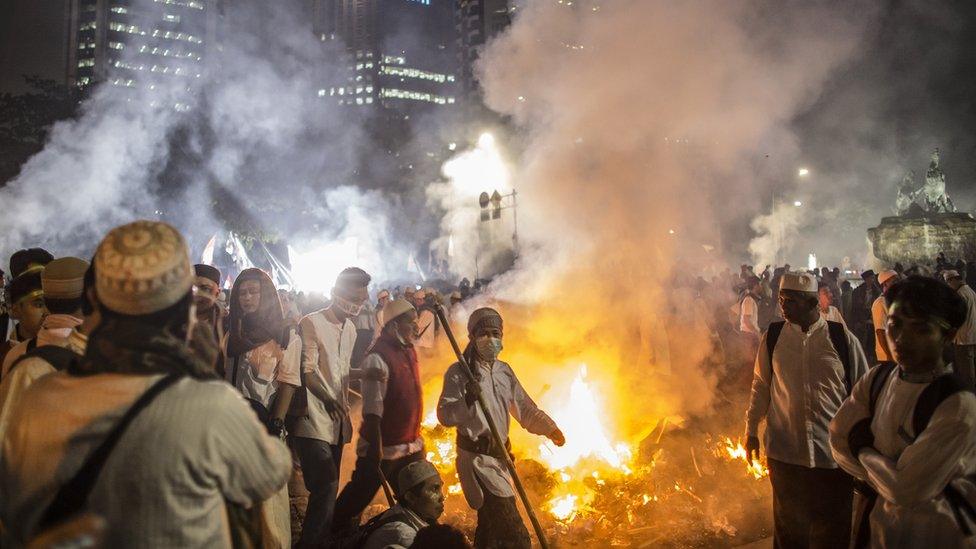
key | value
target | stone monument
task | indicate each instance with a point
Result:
(927, 223)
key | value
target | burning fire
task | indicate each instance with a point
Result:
(736, 451)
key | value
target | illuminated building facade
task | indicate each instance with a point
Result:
(401, 53)
(131, 42)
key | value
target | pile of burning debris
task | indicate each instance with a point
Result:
(678, 487)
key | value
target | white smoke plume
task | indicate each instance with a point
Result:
(643, 124)
(251, 147)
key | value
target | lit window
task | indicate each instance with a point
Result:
(116, 45)
(321, 93)
(171, 18)
(89, 62)
(119, 9)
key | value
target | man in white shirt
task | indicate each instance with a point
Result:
(328, 339)
(195, 448)
(389, 438)
(964, 344)
(918, 469)
(825, 297)
(426, 320)
(480, 464)
(879, 316)
(797, 389)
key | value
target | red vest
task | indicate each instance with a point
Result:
(403, 405)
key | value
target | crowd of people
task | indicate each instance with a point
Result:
(866, 393)
(141, 406)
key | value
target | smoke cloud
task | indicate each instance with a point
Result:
(645, 124)
(249, 145)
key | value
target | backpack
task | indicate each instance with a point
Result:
(838, 337)
(358, 539)
(928, 402)
(58, 357)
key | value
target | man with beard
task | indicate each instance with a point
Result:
(323, 427)
(389, 438)
(804, 370)
(140, 432)
(210, 313)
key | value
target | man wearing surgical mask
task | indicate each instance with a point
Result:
(484, 478)
(323, 427)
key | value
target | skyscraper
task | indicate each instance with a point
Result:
(402, 53)
(477, 21)
(126, 42)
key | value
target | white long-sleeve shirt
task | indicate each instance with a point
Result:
(196, 446)
(749, 315)
(799, 393)
(326, 354)
(504, 395)
(909, 475)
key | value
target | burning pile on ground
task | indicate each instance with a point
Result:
(678, 485)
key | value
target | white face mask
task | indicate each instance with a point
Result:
(489, 348)
(348, 307)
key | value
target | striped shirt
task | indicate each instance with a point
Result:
(166, 482)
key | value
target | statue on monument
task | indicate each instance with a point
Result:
(930, 198)
(936, 199)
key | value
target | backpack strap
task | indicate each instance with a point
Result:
(930, 399)
(58, 357)
(884, 370)
(31, 344)
(772, 336)
(838, 337)
(72, 495)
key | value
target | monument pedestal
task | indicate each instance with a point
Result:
(918, 237)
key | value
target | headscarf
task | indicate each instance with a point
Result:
(251, 330)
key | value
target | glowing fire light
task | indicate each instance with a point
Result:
(582, 421)
(478, 170)
(563, 508)
(736, 451)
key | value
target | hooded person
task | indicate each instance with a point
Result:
(804, 370)
(263, 354)
(62, 282)
(71, 293)
(389, 438)
(323, 427)
(210, 311)
(480, 464)
(198, 446)
(421, 503)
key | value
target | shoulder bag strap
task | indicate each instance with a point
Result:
(72, 495)
(838, 337)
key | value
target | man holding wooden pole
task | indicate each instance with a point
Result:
(483, 463)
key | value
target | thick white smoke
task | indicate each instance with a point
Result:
(251, 147)
(644, 123)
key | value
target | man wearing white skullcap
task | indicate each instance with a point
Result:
(879, 314)
(193, 445)
(805, 368)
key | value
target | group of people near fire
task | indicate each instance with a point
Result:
(142, 406)
(869, 410)
(136, 411)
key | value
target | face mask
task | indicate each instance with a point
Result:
(489, 348)
(347, 307)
